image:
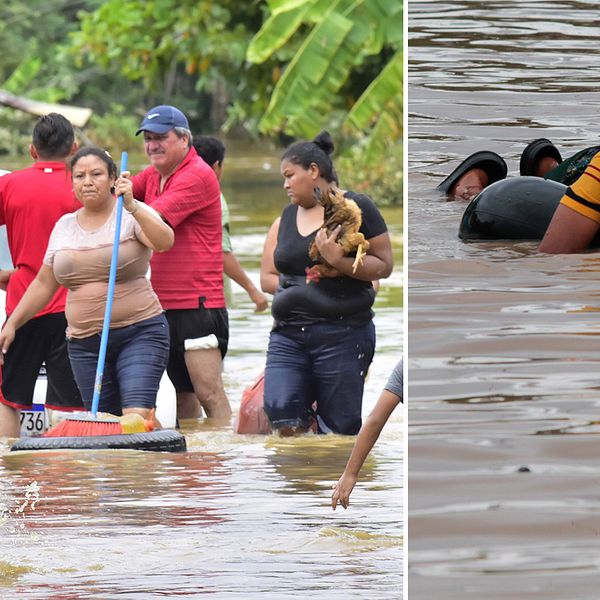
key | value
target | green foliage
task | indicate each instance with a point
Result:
(379, 109)
(34, 64)
(32, 35)
(281, 67)
(277, 30)
(15, 133)
(180, 51)
(114, 130)
(339, 38)
(381, 180)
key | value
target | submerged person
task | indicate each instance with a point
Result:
(483, 168)
(473, 174)
(390, 397)
(31, 201)
(323, 338)
(78, 255)
(540, 158)
(212, 151)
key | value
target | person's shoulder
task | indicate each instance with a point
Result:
(146, 172)
(398, 369)
(68, 219)
(288, 214)
(366, 204)
(201, 169)
(18, 178)
(395, 380)
(4, 178)
(64, 230)
(359, 198)
(196, 171)
(16, 174)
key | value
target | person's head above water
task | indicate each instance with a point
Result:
(539, 157)
(475, 173)
(307, 165)
(317, 152)
(212, 151)
(53, 138)
(167, 137)
(102, 155)
(470, 184)
(93, 173)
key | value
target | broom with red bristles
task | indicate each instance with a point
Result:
(91, 424)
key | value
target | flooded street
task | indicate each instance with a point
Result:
(504, 342)
(242, 517)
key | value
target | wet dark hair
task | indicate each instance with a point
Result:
(317, 151)
(53, 136)
(98, 152)
(210, 149)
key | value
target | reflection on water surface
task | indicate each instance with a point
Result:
(505, 356)
(236, 516)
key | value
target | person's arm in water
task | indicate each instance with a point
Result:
(233, 269)
(269, 276)
(568, 233)
(366, 438)
(576, 220)
(35, 298)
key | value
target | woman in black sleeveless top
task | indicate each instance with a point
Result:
(323, 338)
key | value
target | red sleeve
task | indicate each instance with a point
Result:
(189, 191)
(2, 186)
(139, 185)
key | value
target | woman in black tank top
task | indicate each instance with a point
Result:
(323, 338)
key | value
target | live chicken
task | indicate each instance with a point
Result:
(343, 211)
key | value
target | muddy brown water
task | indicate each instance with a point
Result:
(504, 342)
(236, 516)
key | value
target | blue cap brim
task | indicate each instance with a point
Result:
(154, 128)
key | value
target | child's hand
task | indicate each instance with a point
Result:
(342, 490)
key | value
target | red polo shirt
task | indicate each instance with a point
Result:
(192, 271)
(31, 201)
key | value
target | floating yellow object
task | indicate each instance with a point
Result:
(133, 423)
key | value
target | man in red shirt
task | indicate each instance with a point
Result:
(188, 279)
(31, 201)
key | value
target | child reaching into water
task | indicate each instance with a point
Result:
(390, 397)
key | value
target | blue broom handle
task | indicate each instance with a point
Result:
(112, 276)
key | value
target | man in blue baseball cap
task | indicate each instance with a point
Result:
(188, 278)
(163, 118)
(167, 138)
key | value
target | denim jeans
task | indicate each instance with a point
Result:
(136, 357)
(323, 362)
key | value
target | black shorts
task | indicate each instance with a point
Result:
(189, 327)
(40, 340)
